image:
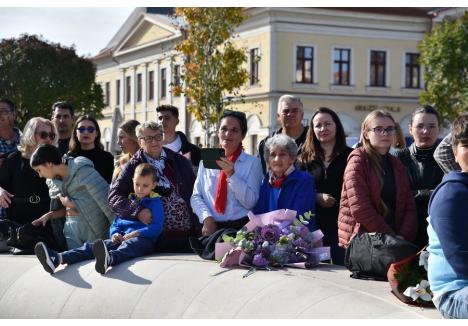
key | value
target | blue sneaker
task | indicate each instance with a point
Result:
(102, 256)
(47, 257)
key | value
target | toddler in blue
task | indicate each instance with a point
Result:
(129, 238)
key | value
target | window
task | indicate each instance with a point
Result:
(176, 75)
(413, 71)
(163, 83)
(254, 59)
(107, 94)
(117, 91)
(151, 85)
(139, 87)
(128, 89)
(304, 64)
(377, 70)
(341, 66)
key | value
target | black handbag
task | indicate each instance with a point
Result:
(369, 255)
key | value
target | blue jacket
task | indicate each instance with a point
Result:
(296, 193)
(448, 243)
(153, 230)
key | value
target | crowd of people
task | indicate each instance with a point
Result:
(66, 199)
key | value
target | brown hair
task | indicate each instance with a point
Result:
(75, 144)
(399, 141)
(312, 150)
(374, 156)
(460, 130)
(145, 169)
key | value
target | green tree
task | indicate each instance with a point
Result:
(214, 67)
(444, 53)
(35, 73)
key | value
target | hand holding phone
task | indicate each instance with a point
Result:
(209, 157)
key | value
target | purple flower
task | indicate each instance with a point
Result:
(259, 260)
(270, 233)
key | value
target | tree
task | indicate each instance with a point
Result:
(35, 73)
(444, 53)
(214, 66)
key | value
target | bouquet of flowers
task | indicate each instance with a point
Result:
(408, 279)
(273, 239)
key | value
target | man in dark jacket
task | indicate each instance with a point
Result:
(168, 116)
(290, 114)
(63, 117)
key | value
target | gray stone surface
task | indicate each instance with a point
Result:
(184, 286)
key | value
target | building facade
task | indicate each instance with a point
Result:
(352, 60)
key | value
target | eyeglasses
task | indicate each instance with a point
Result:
(382, 130)
(5, 112)
(149, 139)
(44, 135)
(89, 129)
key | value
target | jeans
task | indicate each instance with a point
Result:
(454, 304)
(132, 248)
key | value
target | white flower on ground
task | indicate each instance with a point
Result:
(420, 291)
(423, 259)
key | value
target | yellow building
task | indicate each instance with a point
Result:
(352, 60)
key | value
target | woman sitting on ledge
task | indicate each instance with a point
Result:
(222, 198)
(284, 186)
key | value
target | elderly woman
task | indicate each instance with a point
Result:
(222, 197)
(175, 184)
(284, 186)
(22, 191)
(423, 171)
(128, 142)
(80, 189)
(86, 141)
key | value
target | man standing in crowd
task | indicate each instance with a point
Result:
(290, 114)
(168, 117)
(63, 117)
(9, 136)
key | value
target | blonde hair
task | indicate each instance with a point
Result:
(28, 142)
(374, 156)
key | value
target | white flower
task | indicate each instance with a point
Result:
(265, 244)
(423, 259)
(420, 291)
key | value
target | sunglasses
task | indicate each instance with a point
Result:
(89, 129)
(45, 134)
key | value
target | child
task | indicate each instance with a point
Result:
(129, 238)
(448, 224)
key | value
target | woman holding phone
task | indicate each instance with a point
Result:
(222, 197)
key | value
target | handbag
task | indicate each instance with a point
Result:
(369, 255)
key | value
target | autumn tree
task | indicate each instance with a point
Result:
(213, 65)
(444, 54)
(35, 73)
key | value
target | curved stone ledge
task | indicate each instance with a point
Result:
(184, 286)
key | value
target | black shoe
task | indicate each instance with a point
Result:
(48, 258)
(102, 256)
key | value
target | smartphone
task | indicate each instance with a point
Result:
(209, 157)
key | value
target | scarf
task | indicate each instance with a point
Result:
(221, 190)
(159, 165)
(277, 182)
